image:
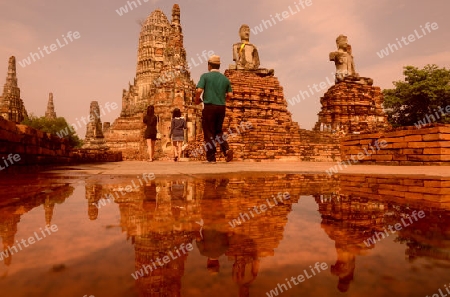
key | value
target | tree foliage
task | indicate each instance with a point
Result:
(422, 93)
(58, 127)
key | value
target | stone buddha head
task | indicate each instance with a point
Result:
(342, 43)
(244, 33)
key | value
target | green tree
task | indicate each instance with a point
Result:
(58, 127)
(425, 92)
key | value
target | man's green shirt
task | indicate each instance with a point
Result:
(215, 86)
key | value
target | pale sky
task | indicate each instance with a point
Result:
(100, 63)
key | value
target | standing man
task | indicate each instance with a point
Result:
(216, 89)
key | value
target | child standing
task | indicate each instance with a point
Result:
(177, 132)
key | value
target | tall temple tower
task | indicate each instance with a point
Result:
(11, 106)
(50, 112)
(163, 80)
(94, 138)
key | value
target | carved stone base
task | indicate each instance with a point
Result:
(260, 72)
(357, 80)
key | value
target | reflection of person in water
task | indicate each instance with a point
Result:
(177, 191)
(177, 196)
(246, 264)
(344, 268)
(213, 242)
(150, 192)
(346, 221)
(150, 196)
(213, 245)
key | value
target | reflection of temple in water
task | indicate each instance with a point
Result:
(159, 218)
(93, 196)
(365, 205)
(10, 215)
(428, 237)
(348, 221)
(163, 215)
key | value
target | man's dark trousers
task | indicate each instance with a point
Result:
(212, 121)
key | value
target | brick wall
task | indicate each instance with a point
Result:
(405, 146)
(399, 189)
(319, 146)
(34, 147)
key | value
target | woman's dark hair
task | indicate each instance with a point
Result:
(151, 110)
(176, 113)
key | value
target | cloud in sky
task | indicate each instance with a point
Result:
(102, 62)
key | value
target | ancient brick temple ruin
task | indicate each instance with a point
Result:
(257, 123)
(259, 100)
(166, 215)
(163, 80)
(38, 194)
(352, 107)
(353, 104)
(50, 112)
(94, 131)
(11, 105)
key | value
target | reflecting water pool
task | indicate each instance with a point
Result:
(226, 235)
